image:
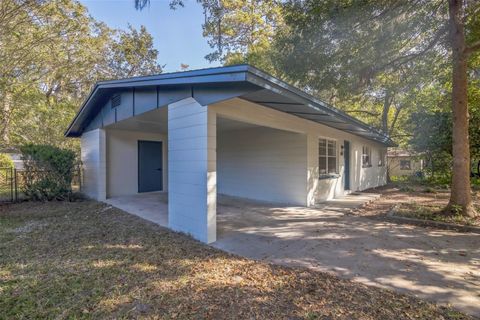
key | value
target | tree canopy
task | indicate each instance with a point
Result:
(51, 54)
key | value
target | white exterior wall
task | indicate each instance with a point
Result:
(192, 169)
(288, 159)
(263, 164)
(316, 189)
(122, 160)
(93, 155)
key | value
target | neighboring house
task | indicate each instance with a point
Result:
(15, 155)
(402, 162)
(233, 130)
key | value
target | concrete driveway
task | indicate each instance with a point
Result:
(437, 265)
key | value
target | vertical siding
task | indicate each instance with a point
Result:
(263, 164)
(93, 155)
(192, 169)
(122, 160)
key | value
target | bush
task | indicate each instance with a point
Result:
(48, 172)
(5, 161)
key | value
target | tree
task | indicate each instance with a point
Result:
(432, 137)
(51, 54)
(369, 58)
(461, 192)
(384, 49)
(238, 31)
(133, 54)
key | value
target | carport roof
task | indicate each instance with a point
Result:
(242, 81)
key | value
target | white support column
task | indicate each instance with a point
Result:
(312, 169)
(192, 169)
(93, 155)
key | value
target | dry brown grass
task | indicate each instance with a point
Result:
(84, 260)
(417, 201)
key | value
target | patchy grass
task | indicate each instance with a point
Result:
(416, 200)
(433, 212)
(84, 260)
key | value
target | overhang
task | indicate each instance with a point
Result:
(215, 84)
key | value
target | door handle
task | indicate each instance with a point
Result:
(159, 169)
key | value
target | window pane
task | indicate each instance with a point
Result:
(332, 165)
(322, 147)
(405, 165)
(381, 158)
(366, 156)
(332, 148)
(322, 165)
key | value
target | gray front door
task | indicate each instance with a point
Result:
(346, 158)
(150, 168)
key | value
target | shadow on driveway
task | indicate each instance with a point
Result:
(437, 265)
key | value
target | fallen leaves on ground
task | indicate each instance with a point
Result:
(81, 260)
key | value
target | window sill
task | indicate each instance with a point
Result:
(328, 176)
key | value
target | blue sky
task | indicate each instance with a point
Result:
(177, 33)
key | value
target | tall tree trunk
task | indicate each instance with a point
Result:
(6, 113)
(386, 109)
(461, 192)
(395, 119)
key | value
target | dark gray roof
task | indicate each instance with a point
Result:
(242, 81)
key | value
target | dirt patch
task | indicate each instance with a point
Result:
(416, 201)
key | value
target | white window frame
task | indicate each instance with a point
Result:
(381, 157)
(405, 168)
(366, 152)
(327, 157)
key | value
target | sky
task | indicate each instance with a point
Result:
(177, 33)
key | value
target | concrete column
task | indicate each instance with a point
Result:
(312, 169)
(192, 169)
(93, 155)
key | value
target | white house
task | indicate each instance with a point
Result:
(230, 130)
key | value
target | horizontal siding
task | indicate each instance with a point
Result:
(94, 164)
(192, 160)
(360, 179)
(262, 164)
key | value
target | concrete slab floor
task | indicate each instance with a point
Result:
(437, 265)
(151, 206)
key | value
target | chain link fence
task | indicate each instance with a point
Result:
(12, 182)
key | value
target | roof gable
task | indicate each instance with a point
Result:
(216, 84)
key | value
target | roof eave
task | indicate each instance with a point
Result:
(229, 74)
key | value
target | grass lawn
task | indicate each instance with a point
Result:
(84, 260)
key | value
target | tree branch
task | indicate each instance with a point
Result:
(370, 113)
(472, 48)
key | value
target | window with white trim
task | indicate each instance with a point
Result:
(366, 156)
(381, 157)
(405, 165)
(327, 156)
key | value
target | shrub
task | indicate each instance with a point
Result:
(5, 161)
(6, 165)
(48, 172)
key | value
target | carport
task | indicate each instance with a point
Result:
(230, 130)
(252, 162)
